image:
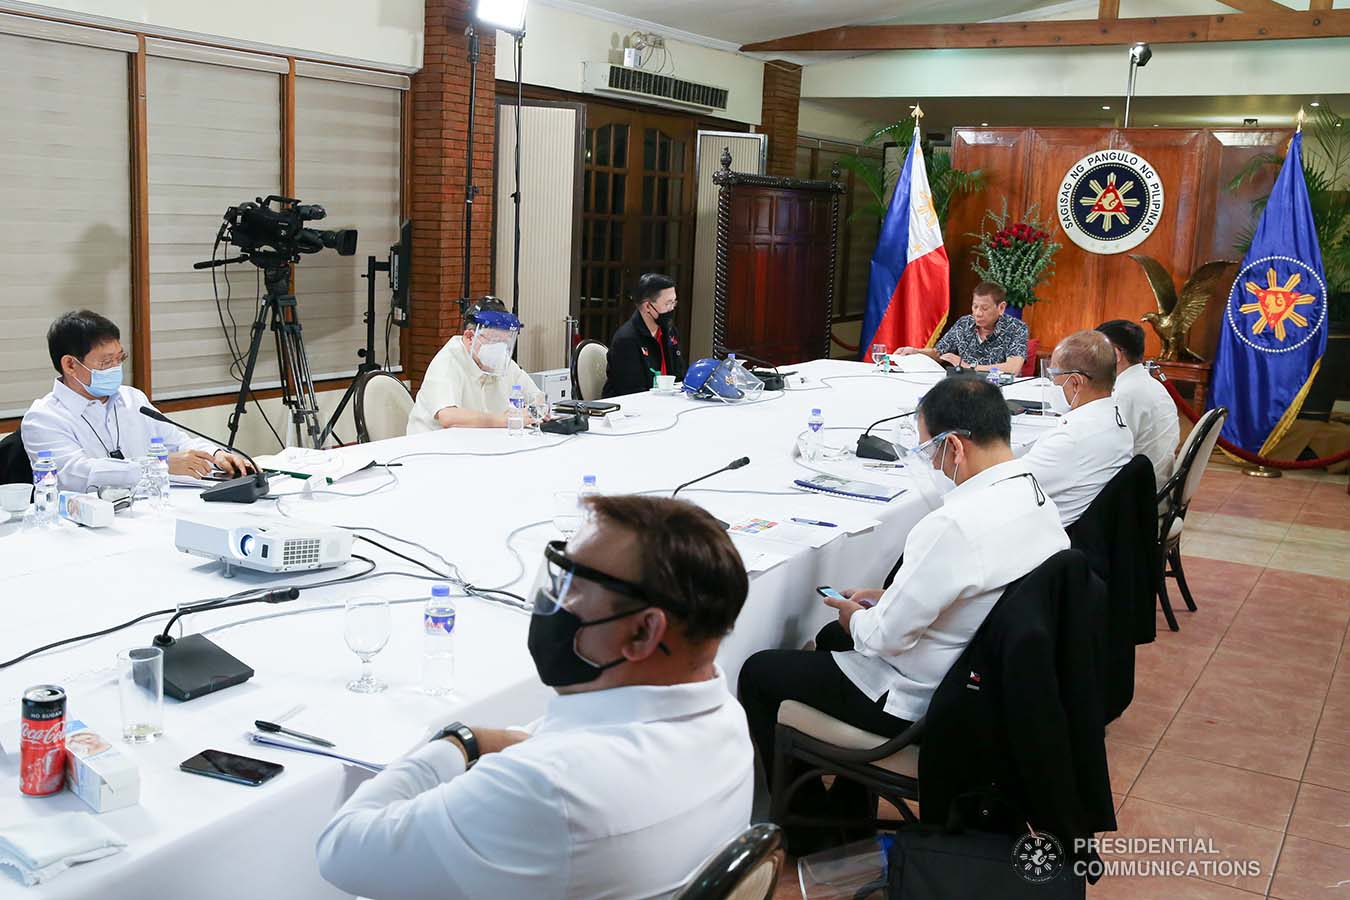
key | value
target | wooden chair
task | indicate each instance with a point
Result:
(381, 407)
(746, 869)
(590, 368)
(1174, 499)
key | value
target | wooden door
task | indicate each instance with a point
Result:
(637, 212)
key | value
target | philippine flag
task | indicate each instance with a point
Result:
(907, 291)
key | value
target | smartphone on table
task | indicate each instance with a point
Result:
(231, 767)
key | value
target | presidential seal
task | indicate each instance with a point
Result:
(1276, 304)
(1038, 858)
(1110, 201)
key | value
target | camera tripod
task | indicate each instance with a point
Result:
(279, 312)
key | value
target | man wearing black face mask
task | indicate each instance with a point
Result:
(646, 345)
(640, 770)
(877, 667)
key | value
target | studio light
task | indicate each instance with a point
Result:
(505, 15)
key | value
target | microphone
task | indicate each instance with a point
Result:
(873, 447)
(734, 464)
(244, 489)
(195, 665)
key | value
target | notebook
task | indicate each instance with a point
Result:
(843, 487)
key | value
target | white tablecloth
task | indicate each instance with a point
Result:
(191, 836)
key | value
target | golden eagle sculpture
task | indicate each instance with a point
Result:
(1176, 314)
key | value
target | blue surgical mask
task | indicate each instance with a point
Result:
(104, 382)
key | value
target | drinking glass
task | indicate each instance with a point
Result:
(140, 688)
(879, 357)
(566, 512)
(538, 410)
(367, 631)
(1047, 386)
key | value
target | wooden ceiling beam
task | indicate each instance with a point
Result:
(1257, 6)
(1069, 33)
(1108, 9)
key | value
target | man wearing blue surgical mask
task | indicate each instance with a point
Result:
(468, 383)
(640, 769)
(91, 420)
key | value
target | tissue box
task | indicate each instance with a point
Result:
(97, 772)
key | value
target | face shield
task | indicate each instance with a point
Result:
(923, 464)
(728, 381)
(492, 347)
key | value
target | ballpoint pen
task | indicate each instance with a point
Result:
(277, 729)
(813, 522)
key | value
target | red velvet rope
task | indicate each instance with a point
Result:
(850, 348)
(1246, 456)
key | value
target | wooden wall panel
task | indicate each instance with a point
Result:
(1201, 218)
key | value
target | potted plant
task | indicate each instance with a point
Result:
(1016, 254)
(944, 180)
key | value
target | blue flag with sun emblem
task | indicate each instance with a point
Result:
(1274, 329)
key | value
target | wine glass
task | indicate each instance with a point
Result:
(367, 631)
(879, 357)
(537, 407)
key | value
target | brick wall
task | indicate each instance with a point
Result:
(782, 98)
(440, 146)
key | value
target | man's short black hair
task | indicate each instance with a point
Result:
(76, 333)
(1125, 336)
(967, 403)
(651, 284)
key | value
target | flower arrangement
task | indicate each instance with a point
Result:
(1018, 255)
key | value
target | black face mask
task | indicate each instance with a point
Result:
(552, 642)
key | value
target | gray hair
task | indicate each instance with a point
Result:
(1091, 353)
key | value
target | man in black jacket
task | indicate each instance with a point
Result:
(646, 345)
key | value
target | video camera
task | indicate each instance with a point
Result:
(257, 228)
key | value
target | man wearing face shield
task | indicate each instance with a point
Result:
(878, 665)
(468, 384)
(1075, 460)
(641, 768)
(646, 345)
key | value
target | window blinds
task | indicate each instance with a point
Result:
(347, 159)
(66, 216)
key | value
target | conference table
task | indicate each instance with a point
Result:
(484, 501)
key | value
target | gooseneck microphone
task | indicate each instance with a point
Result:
(873, 447)
(734, 464)
(244, 489)
(194, 664)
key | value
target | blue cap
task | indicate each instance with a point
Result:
(44, 454)
(440, 590)
(815, 412)
(588, 479)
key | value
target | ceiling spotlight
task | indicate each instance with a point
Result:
(506, 15)
(1250, 120)
(984, 124)
(1106, 107)
(1315, 104)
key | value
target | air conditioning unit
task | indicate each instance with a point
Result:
(648, 87)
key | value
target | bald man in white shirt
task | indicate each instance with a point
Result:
(1091, 443)
(640, 770)
(1144, 403)
(468, 383)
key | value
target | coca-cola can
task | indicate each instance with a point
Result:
(42, 746)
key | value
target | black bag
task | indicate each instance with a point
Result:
(928, 863)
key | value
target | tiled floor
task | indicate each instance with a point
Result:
(1240, 727)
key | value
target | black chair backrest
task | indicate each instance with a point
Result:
(727, 874)
(15, 467)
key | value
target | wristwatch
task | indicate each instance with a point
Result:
(464, 734)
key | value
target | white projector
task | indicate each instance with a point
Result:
(269, 547)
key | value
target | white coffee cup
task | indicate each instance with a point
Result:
(14, 497)
(665, 382)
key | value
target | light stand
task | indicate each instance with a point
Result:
(470, 189)
(1140, 54)
(515, 197)
(365, 354)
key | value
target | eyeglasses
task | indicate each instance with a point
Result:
(928, 449)
(562, 569)
(107, 362)
(1055, 373)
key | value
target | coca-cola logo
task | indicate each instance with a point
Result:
(42, 735)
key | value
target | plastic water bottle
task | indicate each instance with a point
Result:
(515, 413)
(994, 377)
(44, 490)
(438, 642)
(157, 474)
(589, 488)
(811, 440)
